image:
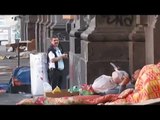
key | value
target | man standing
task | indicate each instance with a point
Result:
(55, 58)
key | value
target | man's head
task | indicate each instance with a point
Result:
(136, 74)
(54, 41)
(118, 76)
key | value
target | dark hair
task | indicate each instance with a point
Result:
(54, 36)
(129, 75)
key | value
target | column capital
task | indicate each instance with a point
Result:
(33, 18)
(112, 28)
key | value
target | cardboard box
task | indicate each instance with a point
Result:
(63, 93)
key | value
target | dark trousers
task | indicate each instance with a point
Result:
(118, 89)
(55, 78)
(124, 87)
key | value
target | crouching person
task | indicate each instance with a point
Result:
(110, 84)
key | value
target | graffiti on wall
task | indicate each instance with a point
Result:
(122, 20)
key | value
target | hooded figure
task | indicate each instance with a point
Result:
(118, 76)
(109, 84)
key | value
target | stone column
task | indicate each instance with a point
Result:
(152, 30)
(149, 40)
(77, 27)
(150, 25)
(68, 27)
(31, 27)
(9, 35)
(137, 45)
(40, 33)
(54, 21)
(23, 28)
(106, 40)
(48, 26)
(44, 32)
(152, 38)
(37, 33)
(156, 40)
(26, 27)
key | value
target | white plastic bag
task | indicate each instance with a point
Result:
(103, 84)
(47, 87)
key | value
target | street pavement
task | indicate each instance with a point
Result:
(12, 63)
(6, 98)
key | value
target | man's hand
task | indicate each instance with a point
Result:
(64, 55)
(124, 81)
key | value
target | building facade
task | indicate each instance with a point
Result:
(93, 41)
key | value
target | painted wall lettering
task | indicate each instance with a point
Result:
(122, 20)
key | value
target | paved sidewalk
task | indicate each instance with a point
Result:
(7, 98)
(12, 99)
(13, 63)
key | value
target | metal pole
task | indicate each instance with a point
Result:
(17, 40)
(18, 55)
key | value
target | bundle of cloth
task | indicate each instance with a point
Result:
(147, 86)
(111, 84)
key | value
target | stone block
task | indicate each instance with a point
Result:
(104, 51)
